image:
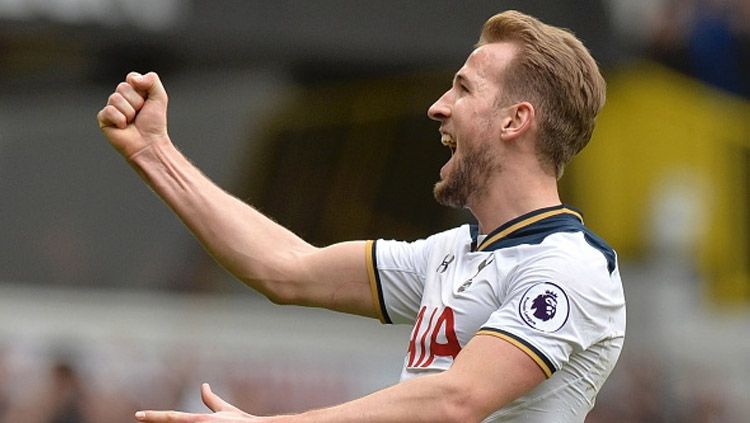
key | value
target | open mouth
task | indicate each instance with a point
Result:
(449, 142)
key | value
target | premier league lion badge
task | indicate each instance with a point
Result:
(544, 307)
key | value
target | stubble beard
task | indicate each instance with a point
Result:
(468, 179)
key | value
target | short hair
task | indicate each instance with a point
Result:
(555, 72)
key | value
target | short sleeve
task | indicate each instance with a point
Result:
(397, 275)
(559, 305)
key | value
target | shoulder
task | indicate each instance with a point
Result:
(575, 252)
(576, 263)
(451, 237)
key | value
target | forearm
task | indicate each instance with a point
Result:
(488, 374)
(246, 243)
(261, 253)
(430, 398)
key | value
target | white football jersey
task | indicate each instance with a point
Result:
(542, 282)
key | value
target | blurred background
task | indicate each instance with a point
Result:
(315, 112)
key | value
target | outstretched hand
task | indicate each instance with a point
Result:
(223, 412)
(136, 114)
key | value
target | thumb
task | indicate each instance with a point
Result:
(149, 84)
(214, 402)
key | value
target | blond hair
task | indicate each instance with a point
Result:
(555, 72)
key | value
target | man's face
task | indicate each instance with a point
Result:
(470, 124)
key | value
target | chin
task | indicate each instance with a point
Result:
(448, 194)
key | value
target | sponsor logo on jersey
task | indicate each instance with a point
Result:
(433, 337)
(544, 307)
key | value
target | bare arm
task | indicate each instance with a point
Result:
(487, 374)
(261, 253)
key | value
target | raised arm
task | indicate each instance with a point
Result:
(258, 251)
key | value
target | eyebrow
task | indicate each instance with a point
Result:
(459, 77)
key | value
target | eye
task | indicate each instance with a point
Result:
(460, 84)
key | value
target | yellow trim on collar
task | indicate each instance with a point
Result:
(526, 222)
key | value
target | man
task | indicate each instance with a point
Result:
(518, 318)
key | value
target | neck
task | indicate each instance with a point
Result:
(509, 197)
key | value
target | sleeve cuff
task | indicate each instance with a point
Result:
(539, 358)
(376, 288)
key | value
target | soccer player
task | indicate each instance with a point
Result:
(520, 317)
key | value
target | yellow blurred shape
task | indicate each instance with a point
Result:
(659, 127)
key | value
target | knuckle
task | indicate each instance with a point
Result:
(105, 113)
(102, 115)
(123, 86)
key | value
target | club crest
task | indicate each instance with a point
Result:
(481, 266)
(544, 307)
(446, 262)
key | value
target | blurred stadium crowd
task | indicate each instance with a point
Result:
(107, 305)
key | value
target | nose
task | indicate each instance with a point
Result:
(440, 109)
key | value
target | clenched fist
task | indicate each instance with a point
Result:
(136, 114)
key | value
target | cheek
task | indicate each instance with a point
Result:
(481, 132)
(490, 121)
(477, 124)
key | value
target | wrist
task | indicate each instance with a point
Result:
(156, 143)
(156, 161)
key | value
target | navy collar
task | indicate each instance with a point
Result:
(541, 222)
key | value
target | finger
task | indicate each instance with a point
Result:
(214, 402)
(131, 95)
(122, 105)
(150, 84)
(150, 416)
(110, 116)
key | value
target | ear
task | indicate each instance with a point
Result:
(517, 120)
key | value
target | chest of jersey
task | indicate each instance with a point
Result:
(461, 291)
